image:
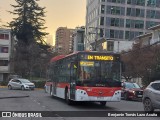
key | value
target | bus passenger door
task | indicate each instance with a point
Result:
(55, 86)
(73, 74)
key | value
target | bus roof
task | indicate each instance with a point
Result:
(57, 58)
(78, 52)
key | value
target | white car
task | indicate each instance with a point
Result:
(151, 96)
(19, 83)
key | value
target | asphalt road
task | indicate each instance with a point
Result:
(38, 100)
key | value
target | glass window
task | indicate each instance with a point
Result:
(151, 23)
(158, 3)
(4, 36)
(129, 11)
(99, 70)
(127, 34)
(116, 1)
(4, 49)
(139, 24)
(156, 86)
(152, 14)
(129, 1)
(131, 85)
(121, 34)
(110, 45)
(102, 21)
(128, 23)
(115, 10)
(137, 12)
(140, 2)
(102, 9)
(112, 33)
(3, 62)
(151, 2)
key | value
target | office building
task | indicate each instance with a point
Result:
(64, 40)
(5, 54)
(120, 20)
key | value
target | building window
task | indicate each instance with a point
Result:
(128, 23)
(136, 2)
(102, 21)
(151, 2)
(129, 11)
(111, 33)
(140, 2)
(115, 10)
(129, 1)
(151, 24)
(139, 24)
(131, 34)
(3, 49)
(116, 22)
(102, 9)
(137, 12)
(116, 1)
(116, 34)
(151, 14)
(4, 36)
(3, 62)
(110, 45)
(127, 34)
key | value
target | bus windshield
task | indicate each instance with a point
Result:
(99, 70)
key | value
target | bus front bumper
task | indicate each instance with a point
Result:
(81, 95)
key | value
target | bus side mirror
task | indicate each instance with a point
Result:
(74, 65)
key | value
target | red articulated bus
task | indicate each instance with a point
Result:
(85, 76)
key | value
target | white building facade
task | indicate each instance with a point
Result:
(5, 53)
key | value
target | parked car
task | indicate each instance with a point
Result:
(151, 96)
(131, 91)
(19, 83)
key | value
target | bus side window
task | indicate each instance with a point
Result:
(73, 70)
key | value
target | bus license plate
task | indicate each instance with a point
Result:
(139, 95)
(100, 98)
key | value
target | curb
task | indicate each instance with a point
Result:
(14, 97)
(35, 88)
(3, 86)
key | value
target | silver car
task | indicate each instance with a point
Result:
(151, 96)
(19, 83)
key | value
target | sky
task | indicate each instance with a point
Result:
(60, 13)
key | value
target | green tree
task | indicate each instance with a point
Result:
(28, 29)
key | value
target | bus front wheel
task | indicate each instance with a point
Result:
(103, 103)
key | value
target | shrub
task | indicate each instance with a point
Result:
(3, 83)
(39, 84)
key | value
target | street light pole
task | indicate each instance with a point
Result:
(95, 47)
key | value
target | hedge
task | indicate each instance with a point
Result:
(39, 84)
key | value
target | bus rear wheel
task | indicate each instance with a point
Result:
(103, 103)
(51, 91)
(68, 101)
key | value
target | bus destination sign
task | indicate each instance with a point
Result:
(100, 57)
